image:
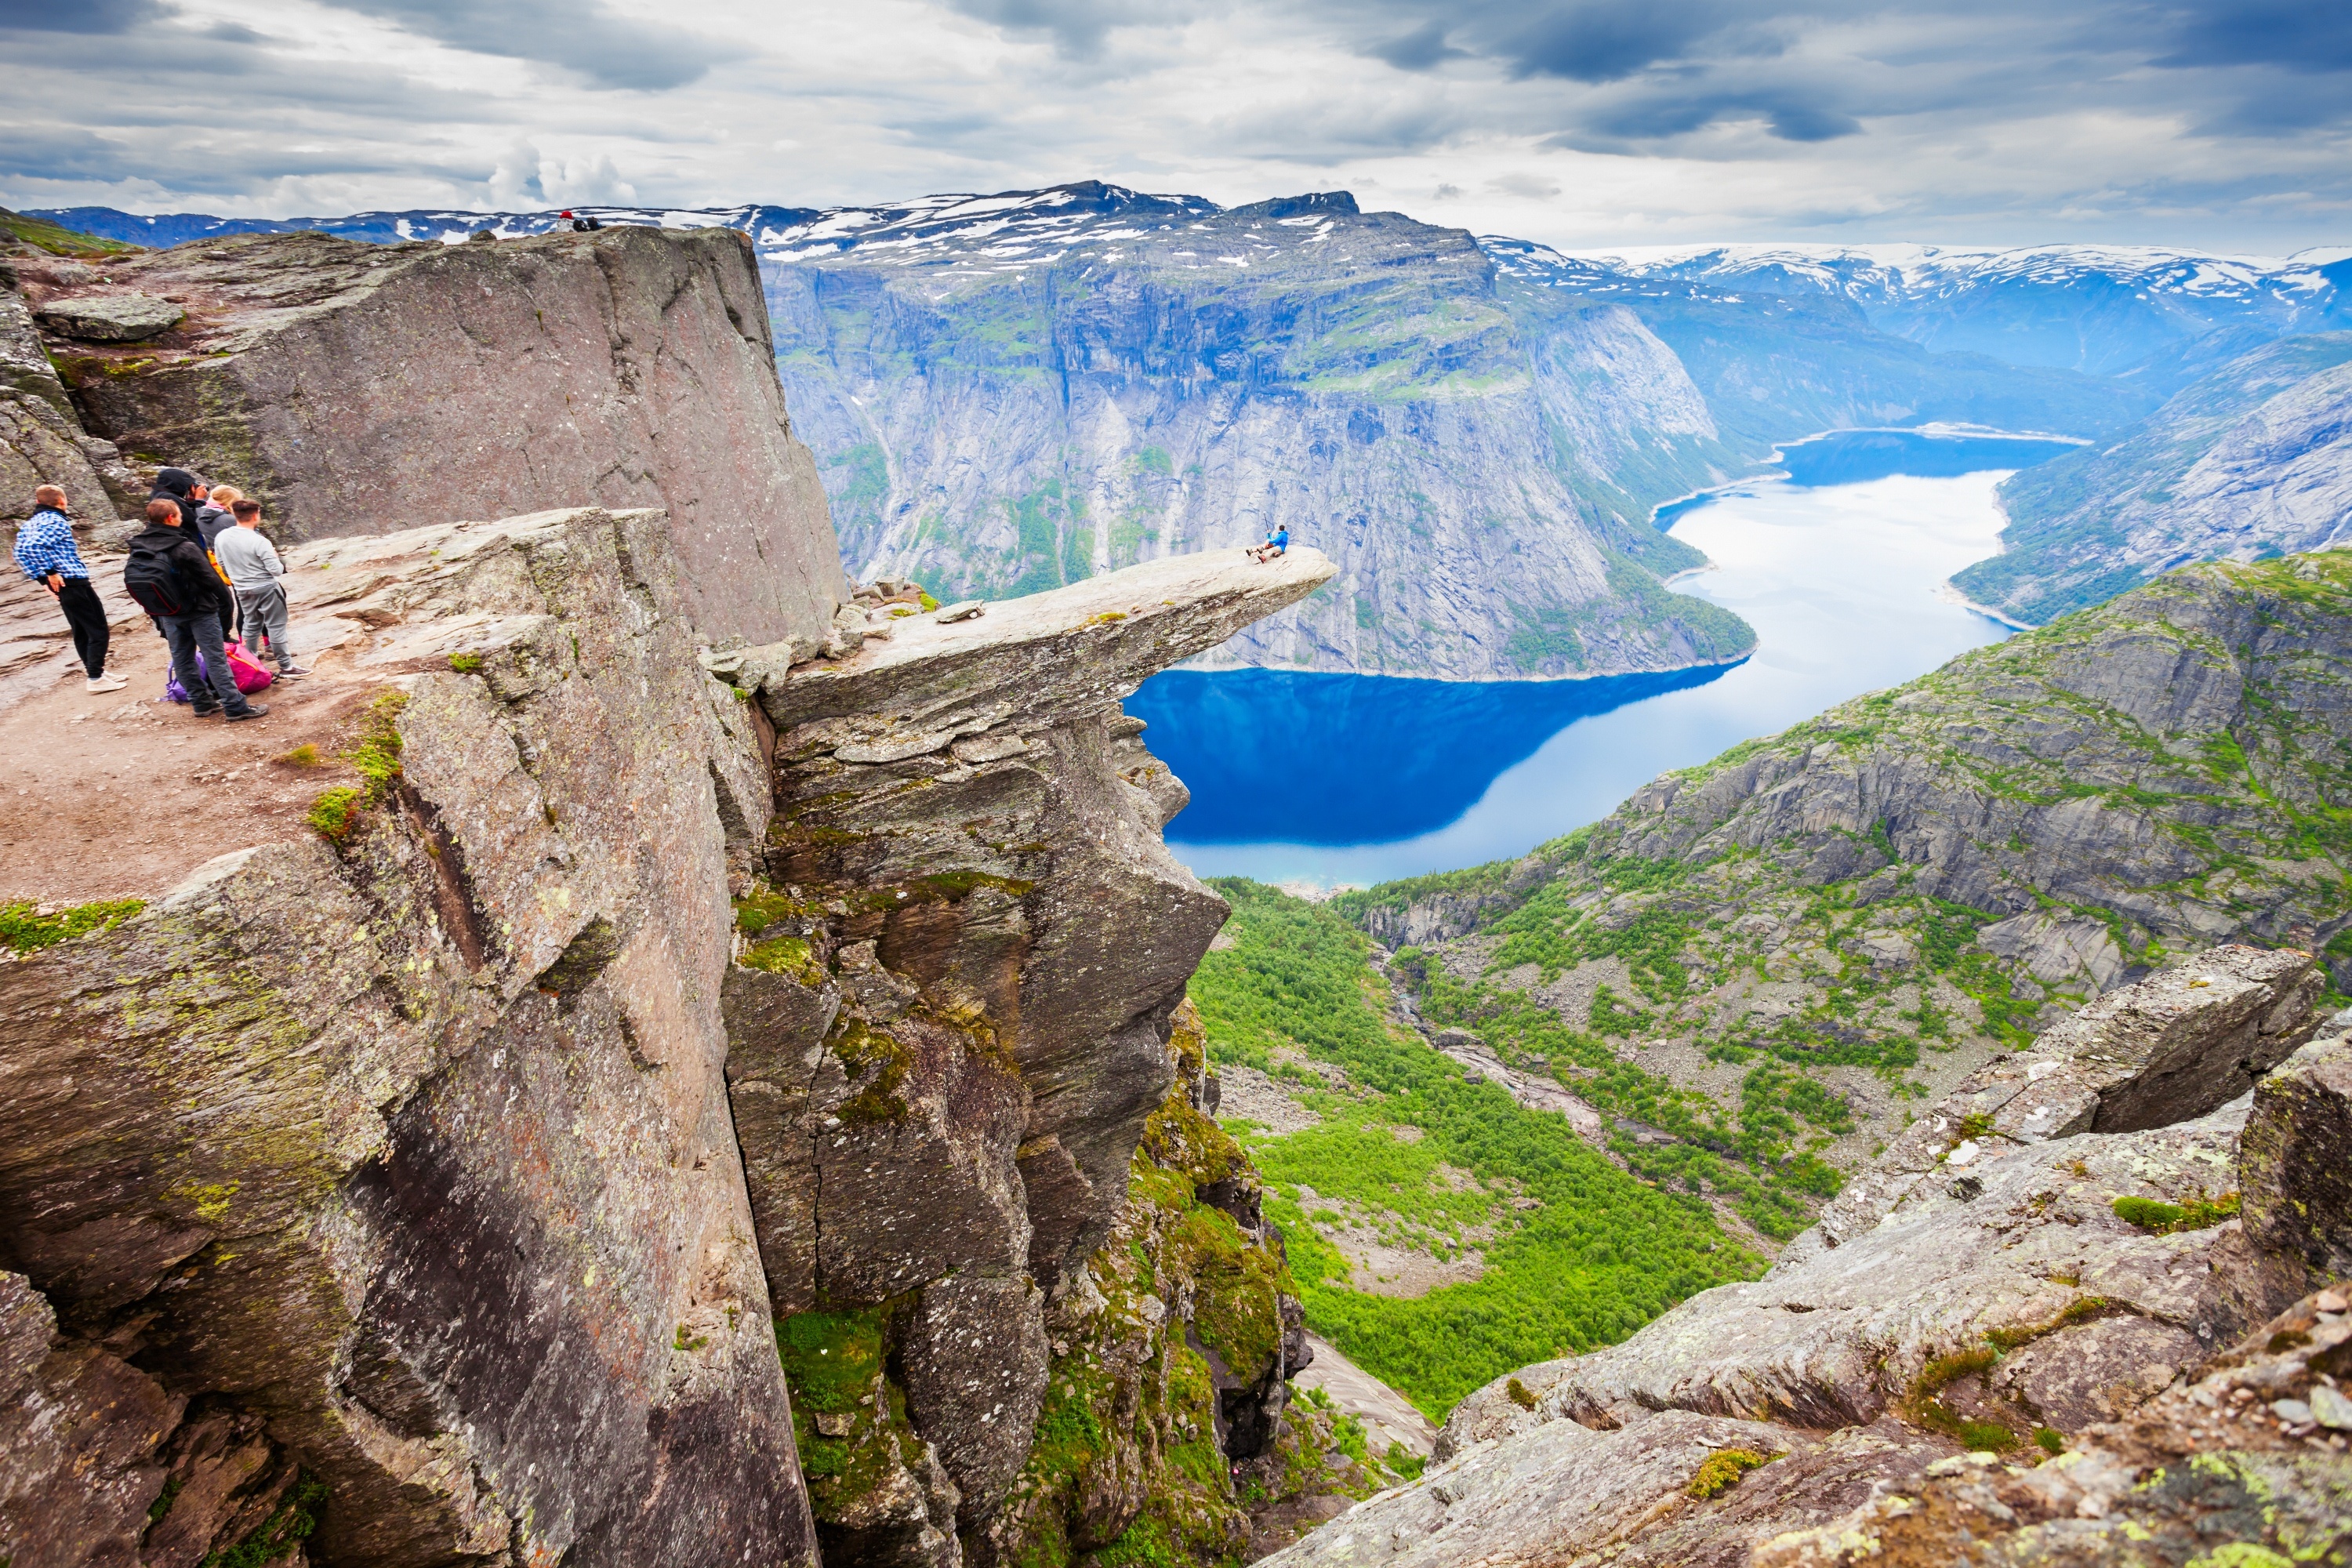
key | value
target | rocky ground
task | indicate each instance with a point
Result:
(2020, 1352)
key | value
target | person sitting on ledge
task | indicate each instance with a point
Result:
(1277, 542)
(46, 555)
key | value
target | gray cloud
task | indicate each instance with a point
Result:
(98, 17)
(1607, 40)
(1077, 28)
(1418, 50)
(577, 34)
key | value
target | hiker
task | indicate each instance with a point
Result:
(256, 576)
(1277, 542)
(46, 553)
(212, 518)
(179, 487)
(172, 579)
(582, 225)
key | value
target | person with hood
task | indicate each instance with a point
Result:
(179, 487)
(46, 555)
(172, 579)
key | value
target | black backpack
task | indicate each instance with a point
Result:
(152, 580)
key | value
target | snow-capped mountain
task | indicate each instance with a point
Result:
(2100, 308)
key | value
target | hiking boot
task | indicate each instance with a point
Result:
(291, 672)
(250, 710)
(211, 712)
(104, 683)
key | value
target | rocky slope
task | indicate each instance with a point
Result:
(1753, 968)
(2084, 1339)
(347, 385)
(2254, 459)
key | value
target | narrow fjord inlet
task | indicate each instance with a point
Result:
(964, 784)
(1841, 568)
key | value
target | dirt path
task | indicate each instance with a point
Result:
(121, 795)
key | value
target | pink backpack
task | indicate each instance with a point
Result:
(249, 677)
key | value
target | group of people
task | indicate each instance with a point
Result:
(200, 567)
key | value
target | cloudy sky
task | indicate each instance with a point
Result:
(1580, 122)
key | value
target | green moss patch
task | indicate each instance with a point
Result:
(2161, 1219)
(24, 929)
(1722, 1470)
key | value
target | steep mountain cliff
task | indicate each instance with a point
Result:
(681, 1097)
(1017, 392)
(2254, 459)
(350, 384)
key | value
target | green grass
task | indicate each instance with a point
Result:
(1601, 1254)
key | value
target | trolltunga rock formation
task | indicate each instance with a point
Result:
(366, 389)
(414, 1150)
(2001, 1307)
(958, 1019)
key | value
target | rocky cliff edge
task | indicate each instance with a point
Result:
(388, 1177)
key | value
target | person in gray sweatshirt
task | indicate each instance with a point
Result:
(257, 575)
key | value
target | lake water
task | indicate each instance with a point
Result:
(1345, 779)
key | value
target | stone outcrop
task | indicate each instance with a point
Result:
(42, 441)
(950, 1018)
(408, 1141)
(352, 386)
(2027, 1304)
(2175, 1047)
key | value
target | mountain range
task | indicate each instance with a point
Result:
(1007, 393)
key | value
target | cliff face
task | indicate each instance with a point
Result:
(351, 386)
(2252, 461)
(2061, 1349)
(952, 1019)
(410, 1147)
(1153, 378)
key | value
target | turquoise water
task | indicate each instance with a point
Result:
(1345, 779)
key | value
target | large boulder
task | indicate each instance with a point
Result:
(347, 385)
(2297, 1161)
(414, 1141)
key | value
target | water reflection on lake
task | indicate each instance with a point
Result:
(1354, 779)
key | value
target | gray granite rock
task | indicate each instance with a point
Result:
(354, 386)
(126, 317)
(2297, 1167)
(446, 1096)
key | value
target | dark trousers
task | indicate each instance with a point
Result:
(87, 617)
(201, 633)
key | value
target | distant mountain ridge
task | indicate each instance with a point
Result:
(1012, 391)
(2102, 310)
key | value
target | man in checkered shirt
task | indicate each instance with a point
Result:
(46, 553)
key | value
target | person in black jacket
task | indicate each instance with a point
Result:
(179, 487)
(198, 630)
(217, 511)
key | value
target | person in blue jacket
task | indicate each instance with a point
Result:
(1277, 542)
(46, 555)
